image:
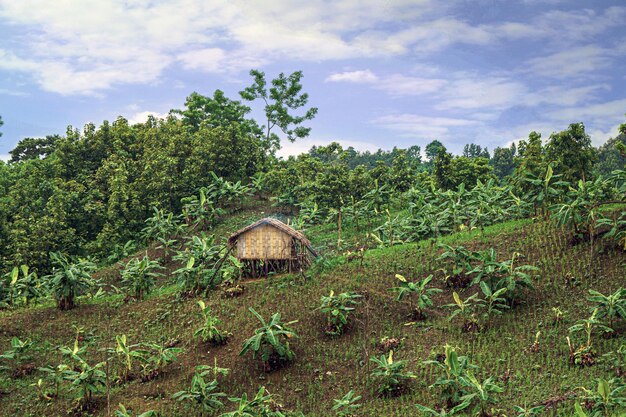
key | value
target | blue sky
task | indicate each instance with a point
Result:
(383, 73)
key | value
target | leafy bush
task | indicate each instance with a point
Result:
(348, 404)
(209, 331)
(270, 341)
(391, 375)
(69, 279)
(202, 394)
(17, 355)
(417, 290)
(139, 276)
(338, 308)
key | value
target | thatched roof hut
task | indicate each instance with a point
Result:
(270, 245)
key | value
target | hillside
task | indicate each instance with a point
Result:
(326, 367)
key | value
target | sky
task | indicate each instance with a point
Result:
(382, 73)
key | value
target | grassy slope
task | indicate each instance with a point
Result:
(326, 368)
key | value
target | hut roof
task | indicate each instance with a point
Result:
(274, 223)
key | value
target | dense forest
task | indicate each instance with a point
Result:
(89, 191)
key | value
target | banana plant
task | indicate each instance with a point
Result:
(270, 341)
(128, 354)
(443, 412)
(123, 412)
(55, 375)
(418, 290)
(450, 384)
(262, 404)
(617, 230)
(493, 302)
(347, 405)
(482, 393)
(209, 331)
(529, 411)
(18, 354)
(201, 395)
(338, 308)
(139, 276)
(466, 309)
(391, 374)
(69, 279)
(157, 357)
(611, 306)
(606, 399)
(588, 326)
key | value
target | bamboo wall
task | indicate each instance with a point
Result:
(264, 242)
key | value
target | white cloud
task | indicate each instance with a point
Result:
(414, 125)
(607, 113)
(572, 62)
(5, 157)
(142, 117)
(360, 76)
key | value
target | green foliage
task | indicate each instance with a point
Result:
(87, 380)
(450, 383)
(209, 332)
(416, 290)
(128, 355)
(529, 411)
(347, 405)
(606, 399)
(139, 275)
(123, 412)
(282, 97)
(261, 405)
(338, 308)
(18, 354)
(390, 375)
(69, 279)
(20, 287)
(156, 357)
(572, 152)
(612, 306)
(270, 341)
(201, 394)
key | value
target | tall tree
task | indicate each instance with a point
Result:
(443, 169)
(572, 153)
(282, 98)
(32, 148)
(503, 162)
(433, 149)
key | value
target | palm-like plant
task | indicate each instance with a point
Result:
(529, 411)
(262, 404)
(139, 275)
(348, 404)
(452, 368)
(128, 354)
(69, 279)
(157, 357)
(443, 412)
(612, 306)
(418, 290)
(202, 394)
(480, 392)
(391, 374)
(606, 399)
(466, 309)
(209, 331)
(18, 353)
(270, 341)
(338, 307)
(123, 412)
